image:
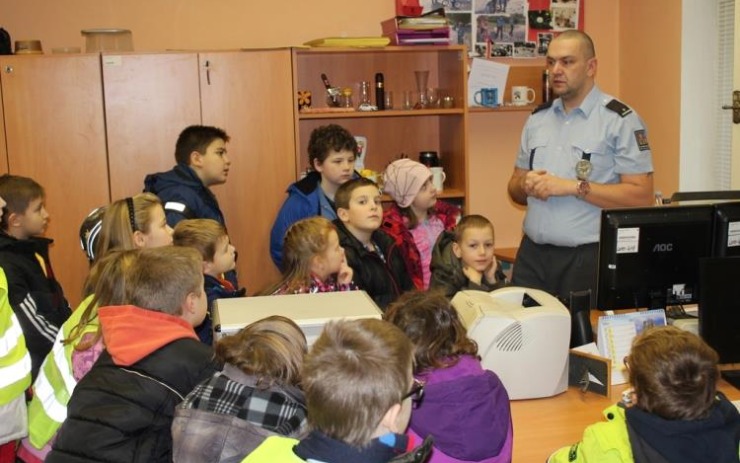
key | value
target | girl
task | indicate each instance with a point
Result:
(255, 396)
(127, 224)
(465, 407)
(416, 218)
(313, 259)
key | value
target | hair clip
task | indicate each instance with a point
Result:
(131, 216)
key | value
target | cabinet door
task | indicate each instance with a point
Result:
(53, 107)
(149, 100)
(249, 94)
(3, 148)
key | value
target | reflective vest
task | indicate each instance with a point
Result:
(15, 361)
(55, 382)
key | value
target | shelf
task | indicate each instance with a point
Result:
(502, 109)
(447, 193)
(384, 113)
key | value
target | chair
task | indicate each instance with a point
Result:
(704, 195)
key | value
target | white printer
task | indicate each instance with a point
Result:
(523, 336)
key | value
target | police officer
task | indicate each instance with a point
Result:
(579, 153)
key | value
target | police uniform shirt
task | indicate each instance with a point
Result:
(613, 135)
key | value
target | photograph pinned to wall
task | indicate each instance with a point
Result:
(543, 41)
(553, 16)
(564, 17)
(525, 49)
(500, 28)
(448, 5)
(461, 31)
(500, 50)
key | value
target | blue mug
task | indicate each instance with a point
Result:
(486, 97)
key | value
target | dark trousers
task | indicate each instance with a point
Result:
(556, 269)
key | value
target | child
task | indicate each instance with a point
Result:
(256, 395)
(374, 257)
(675, 413)
(358, 384)
(152, 360)
(465, 408)
(313, 259)
(34, 293)
(16, 364)
(219, 256)
(464, 259)
(331, 160)
(416, 218)
(202, 162)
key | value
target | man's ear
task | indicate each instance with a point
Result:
(343, 214)
(456, 250)
(390, 419)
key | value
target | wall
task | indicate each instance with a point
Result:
(632, 37)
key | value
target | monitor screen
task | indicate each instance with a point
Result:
(727, 229)
(649, 256)
(719, 306)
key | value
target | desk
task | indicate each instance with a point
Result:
(542, 426)
(507, 255)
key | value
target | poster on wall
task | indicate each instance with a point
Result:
(516, 28)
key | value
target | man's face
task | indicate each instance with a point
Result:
(571, 71)
(212, 167)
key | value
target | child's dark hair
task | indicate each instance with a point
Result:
(471, 221)
(344, 192)
(196, 138)
(433, 326)
(18, 192)
(674, 373)
(326, 139)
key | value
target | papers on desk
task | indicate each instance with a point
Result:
(487, 74)
(615, 334)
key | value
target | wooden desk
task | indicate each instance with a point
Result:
(542, 426)
(506, 254)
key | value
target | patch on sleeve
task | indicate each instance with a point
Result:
(642, 141)
(173, 206)
(618, 107)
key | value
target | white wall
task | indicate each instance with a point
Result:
(698, 95)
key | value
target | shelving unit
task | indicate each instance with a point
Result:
(391, 133)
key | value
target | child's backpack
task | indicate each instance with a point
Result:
(5, 43)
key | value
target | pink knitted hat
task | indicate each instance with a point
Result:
(403, 179)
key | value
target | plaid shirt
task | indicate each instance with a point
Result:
(279, 409)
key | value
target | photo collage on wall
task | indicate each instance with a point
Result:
(514, 28)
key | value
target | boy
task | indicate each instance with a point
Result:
(16, 363)
(374, 256)
(209, 238)
(122, 410)
(35, 295)
(675, 413)
(464, 259)
(331, 160)
(202, 161)
(358, 384)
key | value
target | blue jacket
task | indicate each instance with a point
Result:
(184, 196)
(305, 199)
(215, 289)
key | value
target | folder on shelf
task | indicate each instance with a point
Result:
(360, 42)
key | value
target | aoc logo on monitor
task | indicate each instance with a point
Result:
(663, 247)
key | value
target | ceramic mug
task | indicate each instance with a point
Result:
(486, 97)
(522, 95)
(438, 178)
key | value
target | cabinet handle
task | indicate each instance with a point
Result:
(8, 69)
(208, 72)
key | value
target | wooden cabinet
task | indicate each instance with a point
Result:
(55, 134)
(391, 133)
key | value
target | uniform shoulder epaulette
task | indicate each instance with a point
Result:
(618, 107)
(542, 107)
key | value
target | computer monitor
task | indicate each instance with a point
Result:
(726, 229)
(719, 309)
(649, 256)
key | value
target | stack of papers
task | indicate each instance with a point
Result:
(360, 42)
(429, 28)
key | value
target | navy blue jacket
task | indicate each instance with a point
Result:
(184, 196)
(215, 289)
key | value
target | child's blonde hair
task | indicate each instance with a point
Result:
(303, 241)
(471, 221)
(120, 222)
(203, 235)
(271, 349)
(108, 285)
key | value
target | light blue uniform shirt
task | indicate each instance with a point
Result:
(618, 145)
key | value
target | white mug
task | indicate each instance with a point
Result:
(522, 95)
(438, 178)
